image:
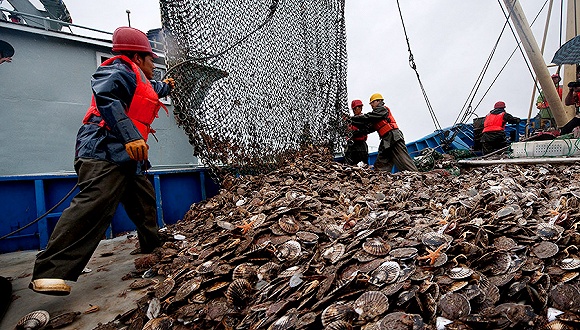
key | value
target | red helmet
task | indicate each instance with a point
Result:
(355, 103)
(499, 105)
(129, 39)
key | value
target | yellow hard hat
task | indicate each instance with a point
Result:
(376, 96)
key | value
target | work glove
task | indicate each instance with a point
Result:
(137, 149)
(170, 82)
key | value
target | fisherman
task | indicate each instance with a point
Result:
(357, 149)
(392, 148)
(545, 114)
(493, 137)
(572, 98)
(111, 161)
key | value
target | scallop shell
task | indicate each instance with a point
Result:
(545, 249)
(532, 264)
(404, 253)
(454, 306)
(337, 312)
(258, 220)
(376, 246)
(334, 252)
(504, 243)
(333, 231)
(307, 237)
(458, 285)
(569, 276)
(371, 304)
(565, 296)
(290, 250)
(339, 325)
(217, 286)
(246, 271)
(363, 256)
(238, 292)
(141, 283)
(164, 288)
(288, 224)
(434, 239)
(458, 273)
(386, 273)
(162, 323)
(289, 272)
(187, 288)
(284, 323)
(549, 231)
(33, 320)
(268, 271)
(570, 263)
(206, 267)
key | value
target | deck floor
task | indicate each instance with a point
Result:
(102, 286)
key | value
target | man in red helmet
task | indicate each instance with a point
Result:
(493, 137)
(357, 149)
(110, 160)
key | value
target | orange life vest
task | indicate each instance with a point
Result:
(358, 138)
(494, 122)
(384, 126)
(144, 106)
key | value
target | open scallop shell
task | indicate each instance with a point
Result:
(376, 246)
(334, 252)
(339, 325)
(307, 237)
(289, 250)
(565, 296)
(371, 304)
(434, 239)
(386, 273)
(333, 231)
(288, 224)
(549, 231)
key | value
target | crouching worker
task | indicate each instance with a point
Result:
(493, 137)
(110, 160)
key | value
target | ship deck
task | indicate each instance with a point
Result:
(102, 286)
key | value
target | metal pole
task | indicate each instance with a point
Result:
(570, 70)
(128, 16)
(536, 59)
(532, 101)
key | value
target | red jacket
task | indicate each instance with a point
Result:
(144, 106)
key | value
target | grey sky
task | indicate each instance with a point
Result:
(450, 40)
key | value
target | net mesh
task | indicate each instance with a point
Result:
(257, 80)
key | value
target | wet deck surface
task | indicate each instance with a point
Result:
(102, 286)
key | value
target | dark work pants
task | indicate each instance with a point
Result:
(396, 154)
(357, 152)
(103, 185)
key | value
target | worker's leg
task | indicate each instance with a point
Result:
(401, 157)
(139, 203)
(83, 224)
(384, 161)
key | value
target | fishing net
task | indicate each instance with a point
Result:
(257, 80)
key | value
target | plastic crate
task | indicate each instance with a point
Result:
(551, 148)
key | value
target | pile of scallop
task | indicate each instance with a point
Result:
(321, 245)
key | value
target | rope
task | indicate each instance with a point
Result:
(413, 66)
(42, 216)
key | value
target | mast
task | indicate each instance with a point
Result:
(537, 60)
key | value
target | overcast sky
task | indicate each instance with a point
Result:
(450, 40)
